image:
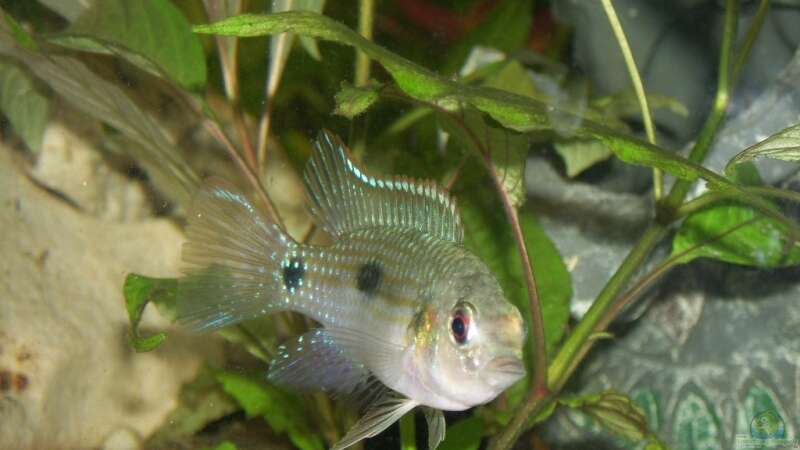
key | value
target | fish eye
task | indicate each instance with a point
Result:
(460, 323)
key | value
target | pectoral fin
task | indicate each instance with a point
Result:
(315, 361)
(385, 411)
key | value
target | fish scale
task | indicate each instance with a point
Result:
(409, 317)
(407, 260)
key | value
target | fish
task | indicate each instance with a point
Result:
(409, 317)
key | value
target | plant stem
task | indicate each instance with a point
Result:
(719, 111)
(750, 39)
(365, 25)
(228, 51)
(638, 87)
(408, 434)
(539, 386)
(214, 129)
(579, 341)
(588, 325)
(537, 323)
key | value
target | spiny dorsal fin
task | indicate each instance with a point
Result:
(344, 198)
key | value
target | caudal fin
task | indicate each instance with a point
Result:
(231, 259)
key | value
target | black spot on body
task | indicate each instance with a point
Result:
(293, 273)
(369, 277)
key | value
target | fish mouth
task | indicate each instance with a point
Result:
(503, 371)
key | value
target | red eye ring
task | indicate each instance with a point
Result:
(459, 326)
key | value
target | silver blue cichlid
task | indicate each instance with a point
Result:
(409, 316)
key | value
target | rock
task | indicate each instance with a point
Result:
(68, 378)
(70, 164)
(593, 229)
(717, 349)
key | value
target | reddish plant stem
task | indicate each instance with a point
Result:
(214, 129)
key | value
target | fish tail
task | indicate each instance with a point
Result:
(232, 260)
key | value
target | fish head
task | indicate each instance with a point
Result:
(473, 338)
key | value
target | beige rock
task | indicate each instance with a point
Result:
(67, 376)
(70, 164)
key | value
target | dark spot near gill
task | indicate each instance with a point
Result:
(293, 273)
(369, 277)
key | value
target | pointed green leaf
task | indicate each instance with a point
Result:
(19, 33)
(152, 34)
(614, 411)
(627, 104)
(512, 77)
(23, 105)
(352, 101)
(140, 290)
(736, 234)
(506, 28)
(514, 111)
(225, 445)
(783, 145)
(580, 154)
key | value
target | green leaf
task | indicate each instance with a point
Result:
(636, 151)
(284, 412)
(580, 154)
(352, 101)
(626, 104)
(150, 34)
(736, 234)
(783, 145)
(201, 402)
(310, 45)
(506, 28)
(140, 290)
(513, 111)
(19, 33)
(225, 445)
(514, 78)
(490, 237)
(614, 411)
(465, 434)
(23, 105)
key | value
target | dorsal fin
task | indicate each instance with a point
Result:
(344, 198)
